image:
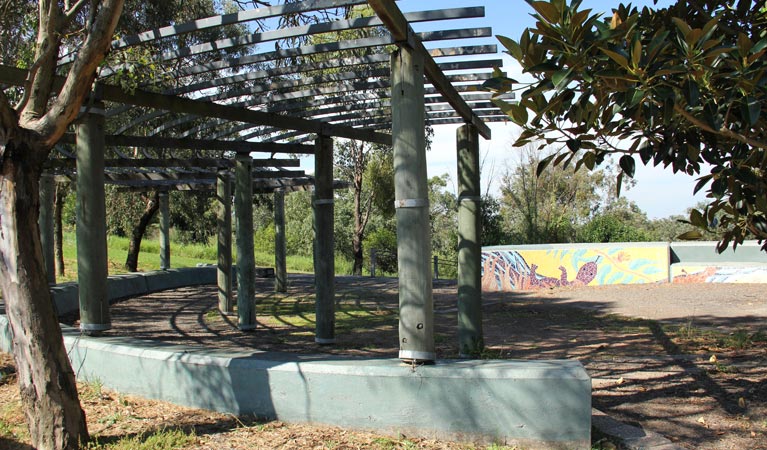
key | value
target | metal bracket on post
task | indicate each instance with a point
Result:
(411, 203)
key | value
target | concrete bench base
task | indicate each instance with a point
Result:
(531, 404)
(67, 300)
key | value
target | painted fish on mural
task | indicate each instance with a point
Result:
(508, 270)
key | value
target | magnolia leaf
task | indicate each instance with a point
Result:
(615, 21)
(682, 25)
(617, 57)
(543, 164)
(498, 85)
(751, 108)
(692, 235)
(702, 182)
(590, 159)
(512, 46)
(636, 53)
(628, 165)
(547, 10)
(697, 219)
(759, 46)
(560, 78)
(517, 113)
(619, 185)
(573, 144)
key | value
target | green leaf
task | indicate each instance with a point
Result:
(560, 78)
(751, 109)
(547, 66)
(517, 113)
(499, 85)
(645, 153)
(636, 53)
(759, 46)
(697, 219)
(590, 159)
(617, 57)
(692, 235)
(682, 25)
(512, 46)
(547, 10)
(627, 165)
(718, 188)
(702, 182)
(543, 164)
(574, 145)
(692, 93)
(619, 185)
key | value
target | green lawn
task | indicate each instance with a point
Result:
(182, 255)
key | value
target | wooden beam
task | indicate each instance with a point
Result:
(197, 163)
(398, 26)
(198, 144)
(12, 75)
(164, 178)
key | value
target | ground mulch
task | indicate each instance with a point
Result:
(686, 361)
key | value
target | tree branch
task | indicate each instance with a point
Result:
(8, 117)
(71, 12)
(722, 132)
(8, 123)
(81, 74)
(39, 84)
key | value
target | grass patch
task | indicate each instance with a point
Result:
(212, 316)
(697, 339)
(165, 439)
(182, 255)
(394, 444)
(92, 390)
(12, 422)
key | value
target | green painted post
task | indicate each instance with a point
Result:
(246, 263)
(280, 245)
(164, 231)
(45, 222)
(224, 241)
(91, 223)
(324, 242)
(470, 339)
(416, 304)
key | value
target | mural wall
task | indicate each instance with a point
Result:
(698, 273)
(537, 267)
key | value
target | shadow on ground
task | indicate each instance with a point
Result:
(694, 373)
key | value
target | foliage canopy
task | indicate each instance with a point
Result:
(677, 87)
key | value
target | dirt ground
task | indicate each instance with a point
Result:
(686, 361)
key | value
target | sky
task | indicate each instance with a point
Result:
(658, 192)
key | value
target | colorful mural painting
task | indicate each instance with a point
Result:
(690, 273)
(537, 267)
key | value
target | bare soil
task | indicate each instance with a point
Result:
(686, 361)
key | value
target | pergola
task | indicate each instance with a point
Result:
(371, 79)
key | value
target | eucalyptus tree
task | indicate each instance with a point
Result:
(31, 122)
(676, 87)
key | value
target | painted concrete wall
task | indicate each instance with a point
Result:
(698, 262)
(509, 268)
(543, 266)
(748, 252)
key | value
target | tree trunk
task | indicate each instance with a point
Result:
(152, 206)
(359, 231)
(58, 230)
(45, 376)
